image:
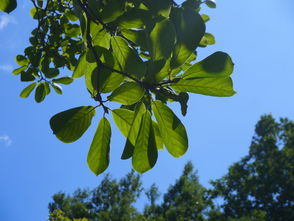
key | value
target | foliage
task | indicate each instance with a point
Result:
(138, 53)
(185, 200)
(263, 181)
(111, 200)
(259, 187)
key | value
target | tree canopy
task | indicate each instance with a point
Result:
(138, 53)
(259, 187)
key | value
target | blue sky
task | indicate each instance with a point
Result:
(34, 164)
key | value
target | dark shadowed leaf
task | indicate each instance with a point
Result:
(40, 93)
(217, 65)
(190, 29)
(7, 5)
(162, 39)
(70, 125)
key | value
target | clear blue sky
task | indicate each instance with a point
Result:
(34, 164)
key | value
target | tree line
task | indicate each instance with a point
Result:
(259, 187)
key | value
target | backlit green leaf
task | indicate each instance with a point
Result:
(123, 119)
(207, 39)
(98, 156)
(70, 125)
(133, 132)
(112, 10)
(158, 138)
(127, 58)
(21, 60)
(83, 67)
(128, 93)
(219, 87)
(217, 65)
(145, 152)
(171, 129)
(27, 90)
(57, 88)
(63, 80)
(19, 70)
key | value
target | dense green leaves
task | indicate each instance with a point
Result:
(98, 156)
(8, 5)
(219, 87)
(128, 93)
(70, 125)
(172, 130)
(141, 54)
(217, 65)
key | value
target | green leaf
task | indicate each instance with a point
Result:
(130, 19)
(40, 93)
(102, 79)
(98, 156)
(100, 36)
(21, 60)
(128, 93)
(70, 125)
(145, 152)
(52, 72)
(123, 119)
(160, 7)
(210, 3)
(112, 10)
(27, 90)
(205, 17)
(158, 138)
(162, 40)
(83, 67)
(8, 5)
(219, 87)
(207, 39)
(19, 70)
(127, 58)
(171, 129)
(133, 132)
(57, 88)
(138, 37)
(183, 99)
(190, 28)
(63, 80)
(217, 65)
(27, 75)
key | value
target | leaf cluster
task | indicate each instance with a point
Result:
(140, 54)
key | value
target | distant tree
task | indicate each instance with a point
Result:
(185, 200)
(111, 200)
(261, 185)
